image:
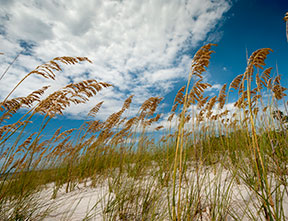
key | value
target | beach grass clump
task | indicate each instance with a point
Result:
(212, 162)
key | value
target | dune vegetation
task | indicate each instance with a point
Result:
(209, 163)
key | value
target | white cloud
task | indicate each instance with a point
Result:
(138, 46)
(217, 87)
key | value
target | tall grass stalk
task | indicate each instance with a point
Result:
(212, 164)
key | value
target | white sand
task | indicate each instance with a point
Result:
(83, 202)
(89, 202)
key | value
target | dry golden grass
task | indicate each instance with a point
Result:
(222, 96)
(47, 70)
(106, 145)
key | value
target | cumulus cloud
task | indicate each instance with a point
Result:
(214, 87)
(141, 47)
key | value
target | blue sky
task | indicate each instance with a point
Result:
(141, 47)
(251, 24)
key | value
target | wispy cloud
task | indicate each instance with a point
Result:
(141, 47)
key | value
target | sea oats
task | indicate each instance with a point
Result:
(209, 114)
(270, 83)
(94, 126)
(196, 92)
(257, 59)
(224, 113)
(179, 98)
(258, 82)
(202, 102)
(159, 128)
(5, 116)
(133, 121)
(255, 111)
(200, 116)
(122, 121)
(60, 147)
(235, 84)
(105, 85)
(12, 127)
(214, 117)
(187, 119)
(241, 103)
(255, 98)
(113, 119)
(265, 76)
(71, 60)
(95, 109)
(278, 91)
(15, 104)
(64, 134)
(75, 93)
(127, 102)
(104, 136)
(211, 103)
(222, 96)
(174, 107)
(149, 106)
(171, 117)
(47, 70)
(148, 122)
(201, 60)
(24, 145)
